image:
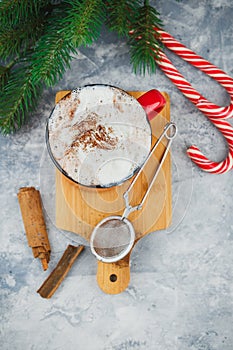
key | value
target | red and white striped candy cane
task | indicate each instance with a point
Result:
(207, 107)
(215, 113)
(213, 167)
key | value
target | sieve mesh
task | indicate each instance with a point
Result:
(112, 238)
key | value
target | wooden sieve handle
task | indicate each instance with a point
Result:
(113, 278)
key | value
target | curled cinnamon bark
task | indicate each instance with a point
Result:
(34, 224)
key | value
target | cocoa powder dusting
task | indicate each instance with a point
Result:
(88, 123)
(98, 137)
(72, 110)
(117, 102)
(88, 133)
(71, 113)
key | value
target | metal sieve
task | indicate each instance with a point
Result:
(114, 236)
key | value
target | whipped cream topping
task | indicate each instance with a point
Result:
(99, 135)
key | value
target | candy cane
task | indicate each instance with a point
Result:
(215, 113)
(212, 167)
(207, 107)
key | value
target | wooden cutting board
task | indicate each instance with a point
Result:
(79, 208)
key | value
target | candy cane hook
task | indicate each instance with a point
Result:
(213, 167)
(215, 113)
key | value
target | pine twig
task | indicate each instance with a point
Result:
(18, 11)
(144, 44)
(119, 14)
(83, 21)
(17, 40)
(18, 97)
(73, 24)
(4, 74)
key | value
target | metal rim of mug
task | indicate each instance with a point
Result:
(109, 185)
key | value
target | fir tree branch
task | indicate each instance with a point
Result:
(83, 21)
(119, 13)
(4, 74)
(144, 41)
(18, 39)
(18, 97)
(49, 63)
(52, 52)
(76, 24)
(13, 12)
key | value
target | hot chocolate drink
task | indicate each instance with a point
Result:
(99, 135)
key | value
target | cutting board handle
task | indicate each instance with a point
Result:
(113, 278)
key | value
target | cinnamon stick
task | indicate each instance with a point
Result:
(56, 277)
(34, 224)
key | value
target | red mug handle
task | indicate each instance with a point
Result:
(152, 102)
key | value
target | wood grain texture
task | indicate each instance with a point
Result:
(79, 208)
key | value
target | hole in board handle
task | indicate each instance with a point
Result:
(113, 277)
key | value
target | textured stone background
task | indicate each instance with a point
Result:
(180, 295)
